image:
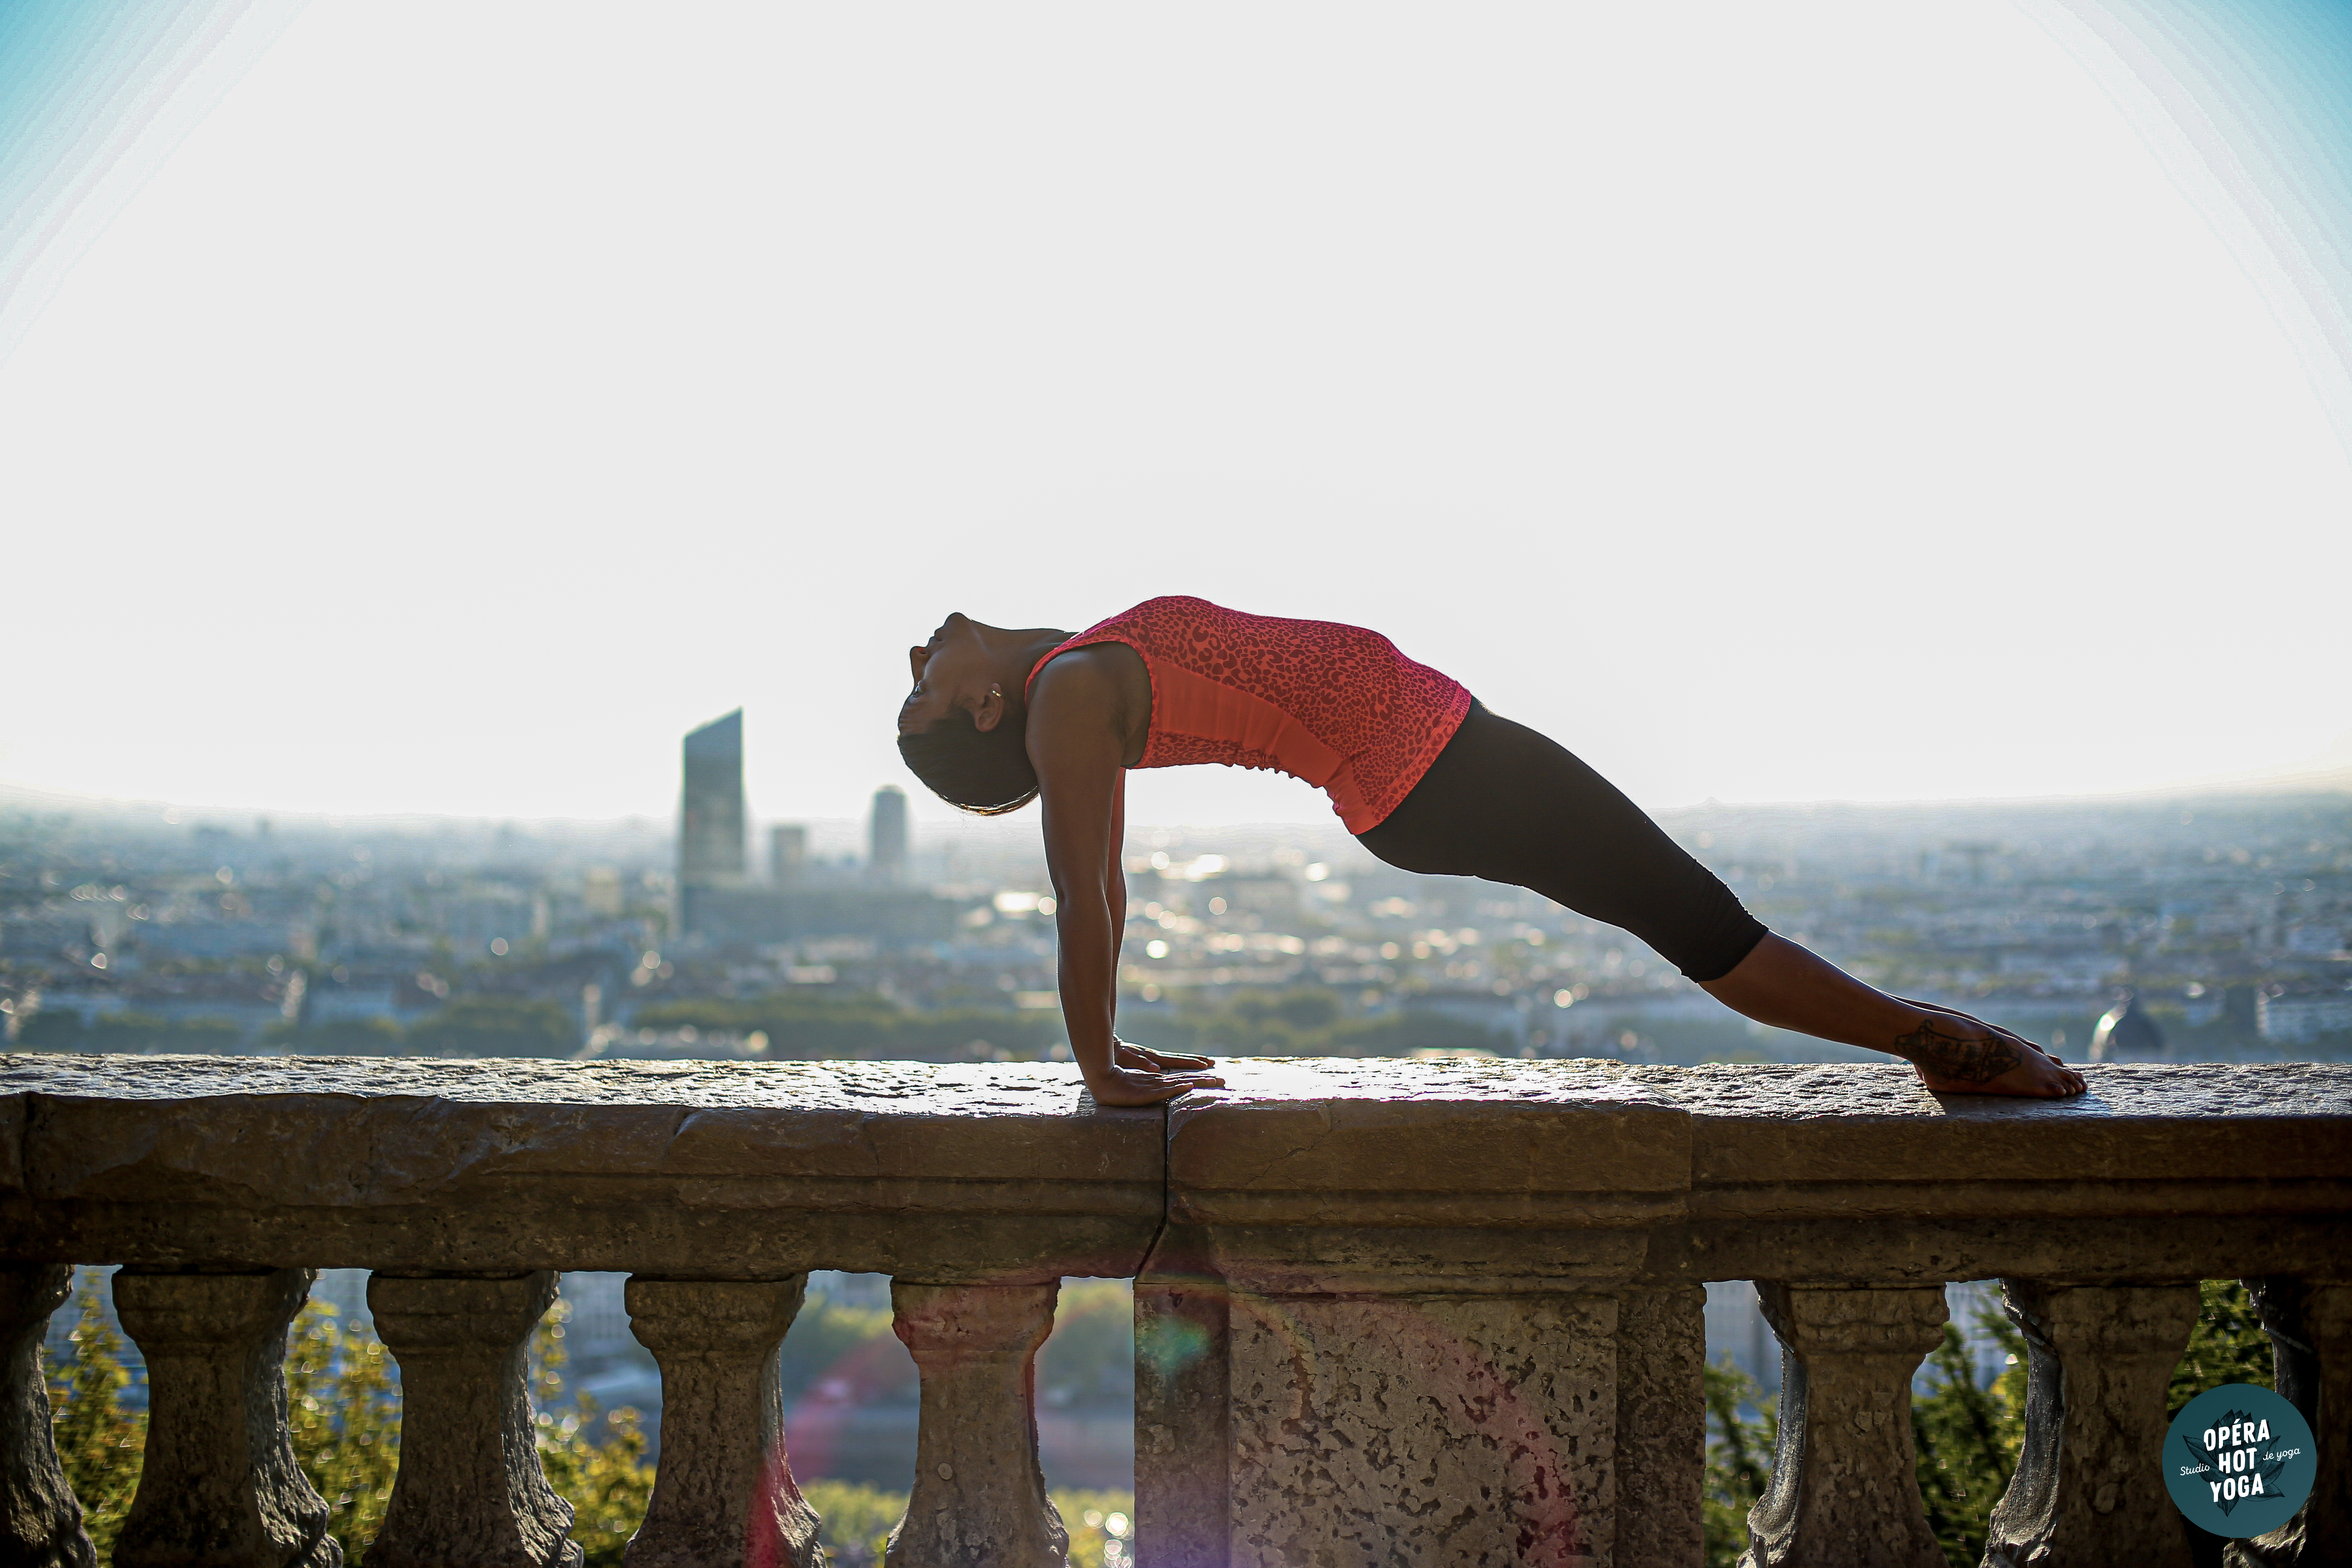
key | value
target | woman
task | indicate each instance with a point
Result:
(1422, 775)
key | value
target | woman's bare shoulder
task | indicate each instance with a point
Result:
(1102, 668)
(1100, 688)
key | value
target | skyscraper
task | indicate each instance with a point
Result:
(885, 856)
(710, 847)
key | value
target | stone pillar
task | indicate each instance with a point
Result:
(2310, 1326)
(470, 1492)
(2087, 1489)
(220, 1487)
(1845, 1491)
(1661, 1426)
(980, 1495)
(1183, 1446)
(724, 1497)
(41, 1522)
(1423, 1431)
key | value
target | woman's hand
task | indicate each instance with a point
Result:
(1145, 1060)
(1135, 1085)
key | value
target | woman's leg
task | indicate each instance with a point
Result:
(1511, 806)
(1783, 984)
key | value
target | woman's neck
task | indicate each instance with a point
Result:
(1024, 648)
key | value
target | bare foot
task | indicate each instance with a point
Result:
(1953, 1058)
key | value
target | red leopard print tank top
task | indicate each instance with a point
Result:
(1335, 705)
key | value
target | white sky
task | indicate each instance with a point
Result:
(1770, 404)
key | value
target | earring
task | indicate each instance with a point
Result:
(996, 691)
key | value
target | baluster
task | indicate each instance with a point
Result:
(980, 1493)
(1844, 1493)
(2087, 1489)
(220, 1486)
(1661, 1426)
(470, 1492)
(40, 1521)
(1373, 1430)
(1183, 1446)
(725, 1496)
(2310, 1326)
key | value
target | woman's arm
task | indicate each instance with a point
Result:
(1126, 1053)
(1075, 744)
(1115, 874)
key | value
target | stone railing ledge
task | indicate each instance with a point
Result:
(1876, 1122)
(1366, 1292)
(727, 1170)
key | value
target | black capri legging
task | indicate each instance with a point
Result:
(1505, 804)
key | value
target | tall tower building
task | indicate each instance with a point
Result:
(710, 847)
(885, 854)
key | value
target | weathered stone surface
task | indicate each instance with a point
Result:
(1429, 1430)
(2310, 1325)
(1784, 1139)
(1661, 1426)
(978, 1500)
(219, 1486)
(2087, 1493)
(1287, 1131)
(999, 1170)
(1390, 1177)
(1183, 1441)
(1925, 1249)
(724, 1497)
(1844, 1492)
(41, 1522)
(470, 1492)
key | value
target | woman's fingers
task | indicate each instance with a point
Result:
(1160, 1062)
(1137, 1088)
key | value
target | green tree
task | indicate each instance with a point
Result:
(2227, 1345)
(1091, 1352)
(102, 1447)
(1738, 1458)
(833, 1339)
(343, 1401)
(1966, 1435)
(602, 1474)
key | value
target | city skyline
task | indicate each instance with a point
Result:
(1259, 799)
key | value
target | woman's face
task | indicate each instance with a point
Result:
(952, 671)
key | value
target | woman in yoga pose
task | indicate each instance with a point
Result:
(1419, 772)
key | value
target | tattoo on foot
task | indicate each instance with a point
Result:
(1953, 1057)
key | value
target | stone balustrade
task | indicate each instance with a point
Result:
(1387, 1312)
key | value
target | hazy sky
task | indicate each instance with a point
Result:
(1769, 404)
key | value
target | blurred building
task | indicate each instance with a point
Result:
(886, 858)
(787, 854)
(2126, 1034)
(711, 829)
(2304, 1016)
